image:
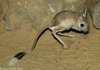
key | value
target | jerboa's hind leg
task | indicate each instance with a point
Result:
(66, 35)
(54, 33)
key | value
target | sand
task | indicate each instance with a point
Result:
(83, 51)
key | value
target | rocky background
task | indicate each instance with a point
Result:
(20, 21)
(32, 15)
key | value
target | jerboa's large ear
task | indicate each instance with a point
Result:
(85, 12)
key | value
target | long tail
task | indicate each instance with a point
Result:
(37, 38)
(20, 55)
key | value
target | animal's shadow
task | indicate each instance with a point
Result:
(76, 31)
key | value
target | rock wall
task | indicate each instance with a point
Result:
(34, 14)
(96, 15)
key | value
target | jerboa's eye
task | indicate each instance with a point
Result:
(82, 25)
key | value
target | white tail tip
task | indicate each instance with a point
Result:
(12, 61)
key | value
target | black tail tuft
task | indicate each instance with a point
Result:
(16, 58)
(20, 55)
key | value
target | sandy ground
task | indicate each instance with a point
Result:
(83, 51)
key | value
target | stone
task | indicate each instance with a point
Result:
(29, 14)
(32, 15)
(96, 16)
